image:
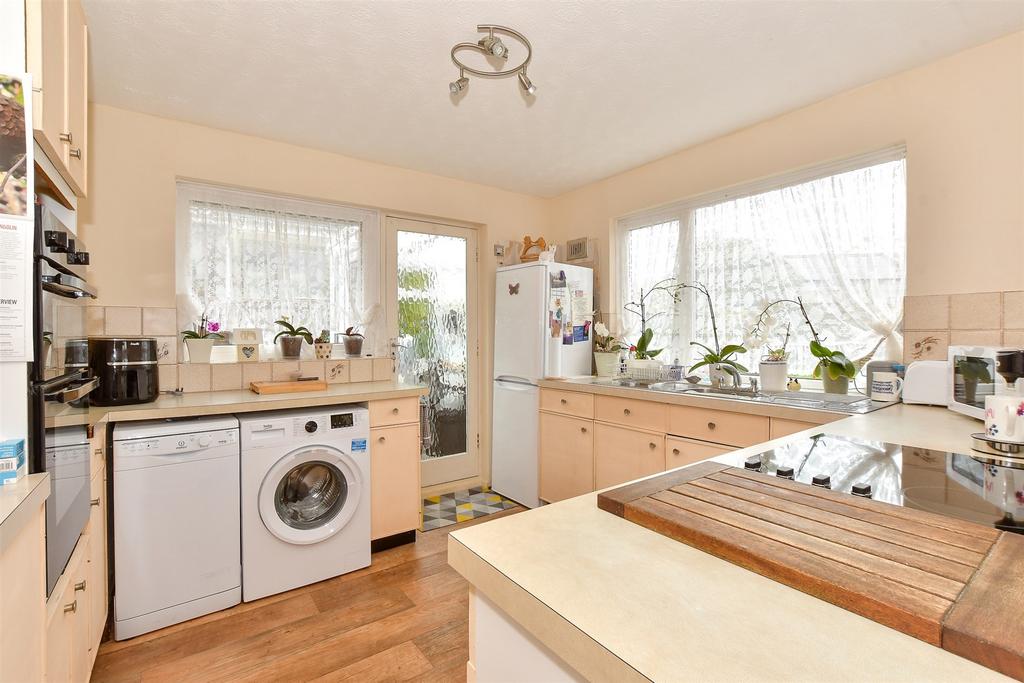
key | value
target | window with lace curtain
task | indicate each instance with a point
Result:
(246, 259)
(835, 236)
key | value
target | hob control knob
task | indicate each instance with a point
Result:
(311, 426)
(822, 480)
(862, 490)
(752, 463)
(784, 472)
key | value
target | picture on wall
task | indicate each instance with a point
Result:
(15, 145)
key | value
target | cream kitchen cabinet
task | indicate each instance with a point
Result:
(96, 574)
(622, 454)
(680, 452)
(68, 612)
(57, 46)
(23, 594)
(394, 469)
(566, 456)
(782, 427)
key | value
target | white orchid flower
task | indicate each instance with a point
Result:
(600, 329)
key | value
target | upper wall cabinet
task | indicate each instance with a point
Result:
(57, 43)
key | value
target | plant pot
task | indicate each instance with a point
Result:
(291, 347)
(199, 350)
(773, 374)
(720, 377)
(607, 363)
(840, 385)
(353, 344)
(323, 350)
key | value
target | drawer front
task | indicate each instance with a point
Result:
(631, 413)
(622, 455)
(718, 426)
(679, 452)
(574, 403)
(783, 427)
(394, 411)
(566, 457)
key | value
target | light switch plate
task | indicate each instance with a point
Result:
(499, 250)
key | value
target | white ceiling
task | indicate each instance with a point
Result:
(620, 83)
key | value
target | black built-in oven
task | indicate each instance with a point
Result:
(59, 385)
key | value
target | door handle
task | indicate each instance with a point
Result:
(583, 429)
(66, 137)
(394, 411)
(625, 411)
(711, 426)
(71, 607)
(95, 502)
(381, 439)
(75, 153)
(653, 445)
(80, 586)
(675, 451)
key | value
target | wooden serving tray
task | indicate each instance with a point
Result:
(955, 584)
(287, 387)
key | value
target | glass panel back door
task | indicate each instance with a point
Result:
(432, 283)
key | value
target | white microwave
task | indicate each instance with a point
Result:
(974, 376)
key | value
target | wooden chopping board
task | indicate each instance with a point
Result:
(287, 387)
(955, 584)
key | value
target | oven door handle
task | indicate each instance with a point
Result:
(67, 286)
(74, 393)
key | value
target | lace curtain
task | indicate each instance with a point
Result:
(249, 266)
(839, 242)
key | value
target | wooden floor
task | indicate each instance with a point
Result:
(404, 618)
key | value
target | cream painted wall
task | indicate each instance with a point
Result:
(128, 220)
(962, 119)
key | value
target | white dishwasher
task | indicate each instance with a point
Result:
(177, 530)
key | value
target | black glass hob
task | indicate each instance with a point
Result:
(958, 485)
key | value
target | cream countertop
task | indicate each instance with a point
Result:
(589, 385)
(619, 602)
(228, 402)
(18, 502)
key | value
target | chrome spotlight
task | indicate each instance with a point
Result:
(526, 83)
(458, 85)
(492, 45)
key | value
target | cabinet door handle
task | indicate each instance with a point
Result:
(66, 137)
(71, 607)
(380, 439)
(95, 502)
(98, 451)
(653, 445)
(675, 451)
(80, 586)
(583, 429)
(394, 411)
(75, 153)
(711, 426)
(625, 411)
(564, 402)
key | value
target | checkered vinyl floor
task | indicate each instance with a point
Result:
(460, 506)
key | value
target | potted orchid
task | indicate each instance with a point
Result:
(774, 366)
(353, 339)
(200, 339)
(606, 351)
(291, 338)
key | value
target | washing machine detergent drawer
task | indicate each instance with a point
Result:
(176, 535)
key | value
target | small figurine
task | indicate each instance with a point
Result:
(794, 384)
(530, 244)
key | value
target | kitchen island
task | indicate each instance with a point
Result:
(578, 593)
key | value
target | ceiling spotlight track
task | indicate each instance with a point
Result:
(492, 46)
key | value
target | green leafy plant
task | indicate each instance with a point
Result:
(777, 355)
(353, 331)
(204, 329)
(604, 340)
(723, 356)
(833, 363)
(642, 349)
(292, 331)
(324, 338)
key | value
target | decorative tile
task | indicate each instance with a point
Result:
(925, 345)
(1013, 310)
(1013, 338)
(461, 506)
(168, 377)
(311, 368)
(360, 369)
(285, 370)
(159, 322)
(382, 368)
(976, 311)
(225, 377)
(194, 377)
(975, 337)
(123, 320)
(257, 372)
(95, 321)
(70, 320)
(337, 371)
(926, 312)
(167, 350)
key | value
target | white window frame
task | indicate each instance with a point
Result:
(370, 233)
(682, 210)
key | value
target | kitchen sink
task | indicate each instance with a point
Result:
(837, 403)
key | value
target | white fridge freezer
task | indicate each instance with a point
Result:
(524, 352)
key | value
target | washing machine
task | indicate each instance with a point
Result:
(305, 497)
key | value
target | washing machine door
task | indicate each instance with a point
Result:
(310, 494)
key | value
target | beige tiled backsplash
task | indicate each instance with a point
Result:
(931, 323)
(162, 324)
